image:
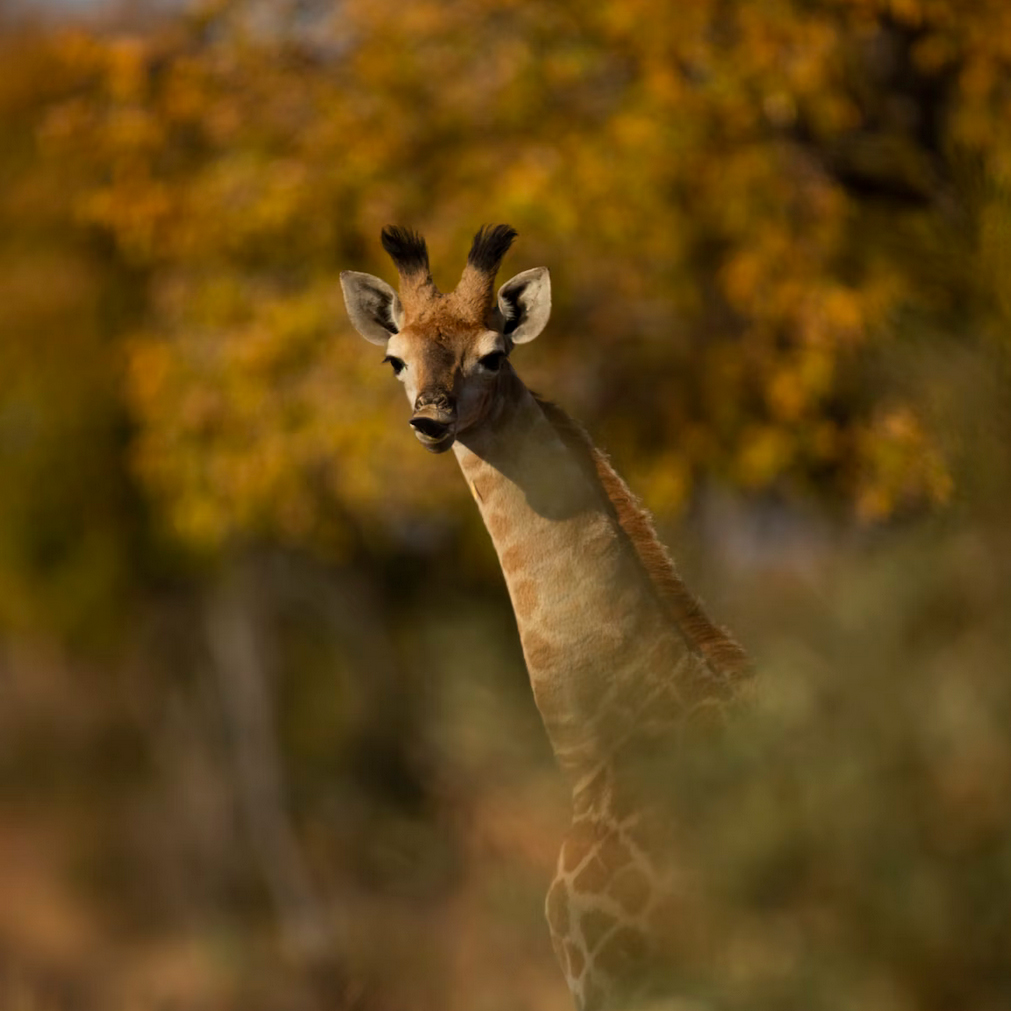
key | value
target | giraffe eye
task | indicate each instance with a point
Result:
(493, 361)
(397, 363)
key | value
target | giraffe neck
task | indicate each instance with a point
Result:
(605, 655)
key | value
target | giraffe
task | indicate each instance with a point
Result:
(621, 657)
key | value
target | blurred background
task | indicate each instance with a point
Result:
(266, 739)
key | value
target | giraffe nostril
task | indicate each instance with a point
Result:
(430, 427)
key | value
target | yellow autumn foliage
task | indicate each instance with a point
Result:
(738, 205)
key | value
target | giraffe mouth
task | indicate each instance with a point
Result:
(436, 445)
(436, 430)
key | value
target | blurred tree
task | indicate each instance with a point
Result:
(739, 204)
(70, 521)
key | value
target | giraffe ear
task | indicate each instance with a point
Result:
(525, 304)
(373, 306)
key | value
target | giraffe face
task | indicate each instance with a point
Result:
(450, 351)
(451, 372)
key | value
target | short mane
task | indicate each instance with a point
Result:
(724, 656)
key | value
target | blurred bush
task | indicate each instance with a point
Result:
(265, 736)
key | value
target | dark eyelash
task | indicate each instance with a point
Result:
(398, 365)
(493, 361)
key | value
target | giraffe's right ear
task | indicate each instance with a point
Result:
(373, 306)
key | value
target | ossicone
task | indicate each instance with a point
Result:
(490, 245)
(407, 249)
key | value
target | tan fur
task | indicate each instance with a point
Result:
(418, 292)
(474, 296)
(723, 655)
(468, 307)
(432, 313)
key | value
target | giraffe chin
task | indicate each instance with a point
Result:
(436, 445)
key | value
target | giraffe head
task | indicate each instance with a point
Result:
(450, 351)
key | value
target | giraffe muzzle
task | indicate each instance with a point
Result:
(435, 428)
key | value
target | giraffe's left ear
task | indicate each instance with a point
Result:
(525, 304)
(373, 306)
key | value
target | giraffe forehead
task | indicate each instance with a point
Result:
(442, 342)
(454, 315)
(432, 349)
